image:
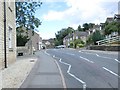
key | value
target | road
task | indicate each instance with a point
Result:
(85, 69)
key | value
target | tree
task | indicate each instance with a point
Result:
(21, 40)
(111, 27)
(91, 25)
(77, 41)
(85, 26)
(61, 34)
(25, 18)
(25, 14)
(79, 28)
(97, 36)
(89, 40)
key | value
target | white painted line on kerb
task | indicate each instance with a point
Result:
(111, 72)
(86, 59)
(68, 71)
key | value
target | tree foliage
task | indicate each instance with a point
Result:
(80, 28)
(97, 36)
(111, 27)
(25, 14)
(77, 41)
(25, 18)
(87, 26)
(22, 40)
(61, 34)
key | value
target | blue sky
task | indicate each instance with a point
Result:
(58, 14)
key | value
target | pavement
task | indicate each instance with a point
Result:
(15, 74)
(45, 74)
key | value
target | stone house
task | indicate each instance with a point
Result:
(35, 42)
(49, 43)
(7, 34)
(76, 35)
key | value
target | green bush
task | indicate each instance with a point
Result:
(80, 45)
(71, 44)
(22, 40)
(78, 41)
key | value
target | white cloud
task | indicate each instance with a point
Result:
(53, 15)
(81, 11)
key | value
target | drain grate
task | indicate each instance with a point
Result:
(32, 60)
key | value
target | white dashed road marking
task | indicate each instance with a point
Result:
(111, 72)
(86, 59)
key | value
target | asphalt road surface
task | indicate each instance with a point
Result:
(87, 69)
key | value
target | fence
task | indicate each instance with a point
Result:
(109, 40)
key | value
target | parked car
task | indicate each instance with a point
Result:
(60, 46)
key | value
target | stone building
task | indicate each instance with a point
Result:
(7, 34)
(34, 43)
(76, 35)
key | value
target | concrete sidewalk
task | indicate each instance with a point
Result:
(45, 74)
(16, 73)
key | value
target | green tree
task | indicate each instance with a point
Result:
(79, 28)
(25, 17)
(25, 14)
(91, 25)
(97, 36)
(77, 41)
(22, 40)
(111, 27)
(85, 26)
(89, 40)
(62, 33)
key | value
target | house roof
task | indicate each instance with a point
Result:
(109, 19)
(77, 33)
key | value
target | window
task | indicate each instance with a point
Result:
(10, 37)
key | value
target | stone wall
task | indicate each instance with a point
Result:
(10, 22)
(1, 34)
(105, 48)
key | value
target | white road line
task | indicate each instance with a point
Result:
(47, 53)
(53, 56)
(102, 56)
(117, 60)
(63, 79)
(111, 72)
(108, 58)
(97, 55)
(86, 59)
(68, 71)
